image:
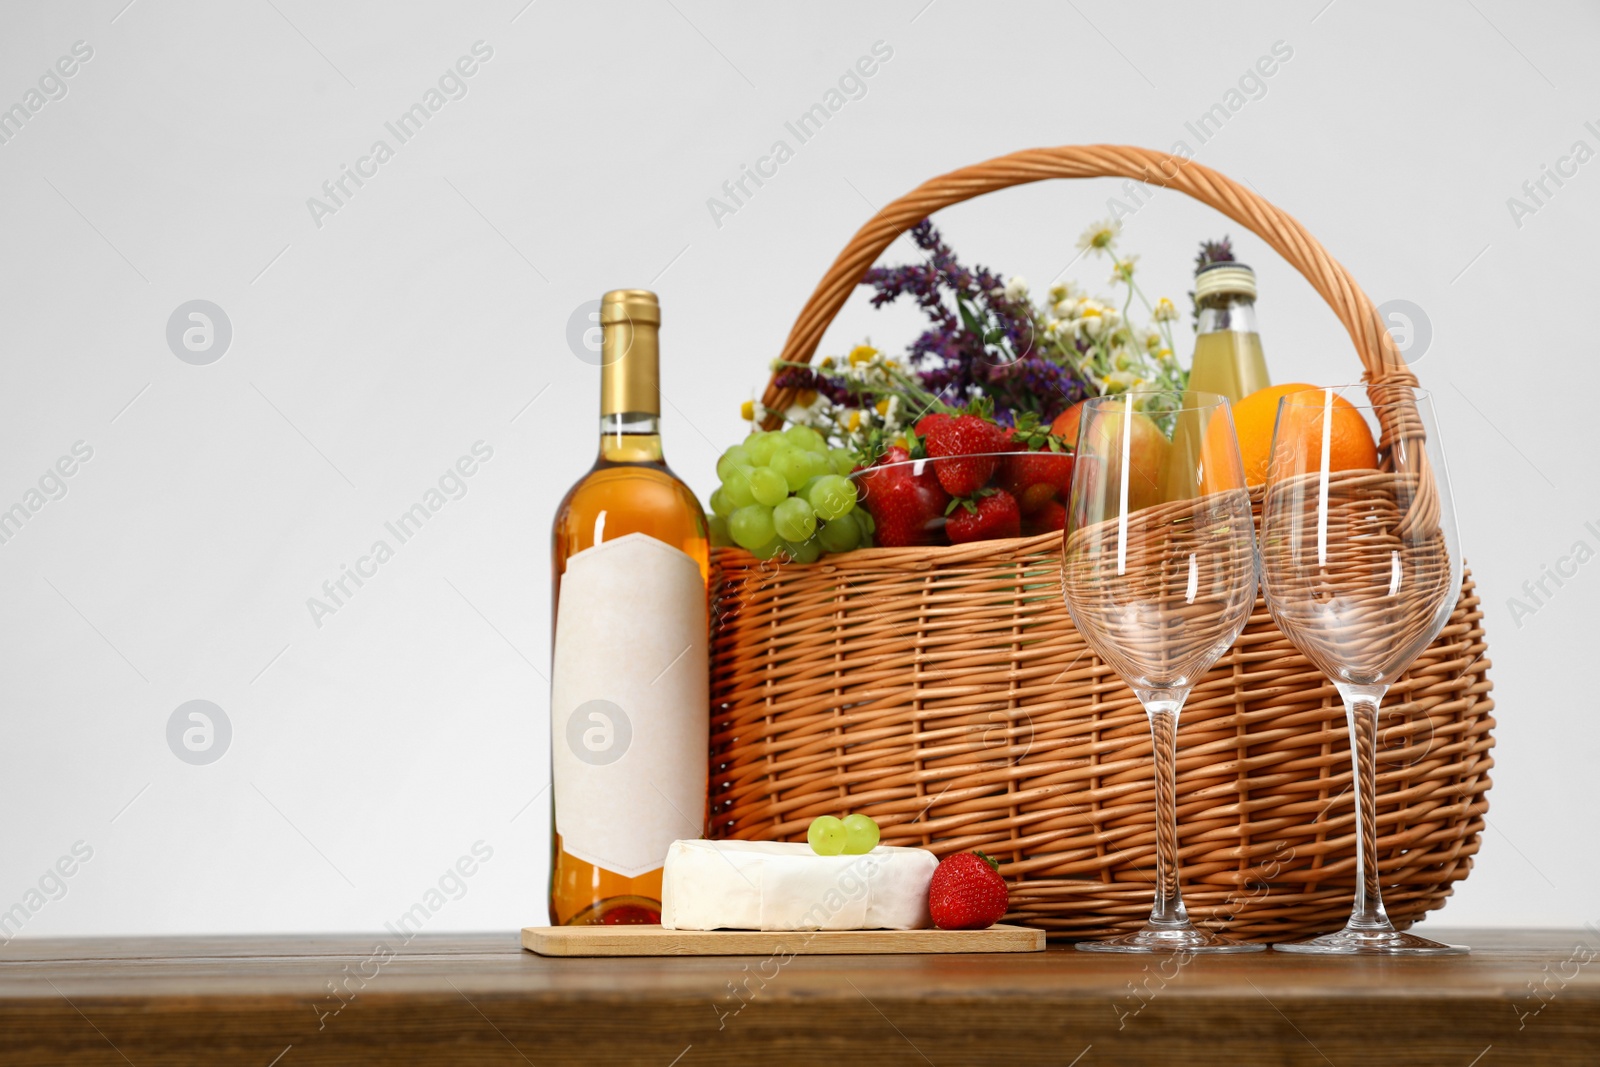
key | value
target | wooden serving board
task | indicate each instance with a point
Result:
(654, 941)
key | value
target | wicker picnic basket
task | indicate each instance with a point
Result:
(938, 691)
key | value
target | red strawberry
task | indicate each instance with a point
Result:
(904, 506)
(1052, 516)
(1037, 477)
(990, 516)
(965, 435)
(928, 422)
(967, 892)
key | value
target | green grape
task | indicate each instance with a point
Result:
(771, 550)
(720, 503)
(805, 438)
(840, 461)
(736, 487)
(832, 496)
(793, 464)
(794, 520)
(826, 835)
(818, 463)
(760, 447)
(840, 535)
(860, 834)
(863, 519)
(768, 486)
(731, 460)
(751, 526)
(717, 526)
(804, 552)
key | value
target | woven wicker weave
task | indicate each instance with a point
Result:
(945, 691)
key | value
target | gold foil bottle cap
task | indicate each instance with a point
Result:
(630, 305)
(1234, 279)
(630, 371)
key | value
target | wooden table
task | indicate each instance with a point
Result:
(1521, 997)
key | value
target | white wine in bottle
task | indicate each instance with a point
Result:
(629, 700)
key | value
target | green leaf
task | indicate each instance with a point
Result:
(961, 502)
(968, 319)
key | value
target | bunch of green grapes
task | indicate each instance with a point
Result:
(785, 492)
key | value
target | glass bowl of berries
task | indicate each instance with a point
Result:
(961, 478)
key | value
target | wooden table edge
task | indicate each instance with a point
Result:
(567, 942)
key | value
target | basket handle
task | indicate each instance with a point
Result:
(1381, 359)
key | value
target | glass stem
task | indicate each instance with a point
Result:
(1163, 713)
(1361, 709)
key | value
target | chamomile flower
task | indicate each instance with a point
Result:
(813, 409)
(1164, 311)
(1122, 269)
(1016, 288)
(1100, 235)
(1064, 291)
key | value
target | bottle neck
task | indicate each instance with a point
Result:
(630, 367)
(631, 437)
(630, 391)
(1228, 312)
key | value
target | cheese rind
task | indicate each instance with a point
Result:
(778, 885)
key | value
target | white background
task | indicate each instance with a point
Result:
(368, 354)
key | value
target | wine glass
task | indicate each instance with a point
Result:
(1361, 569)
(1159, 575)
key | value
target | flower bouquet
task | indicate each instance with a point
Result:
(966, 435)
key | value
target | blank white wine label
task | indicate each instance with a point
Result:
(629, 703)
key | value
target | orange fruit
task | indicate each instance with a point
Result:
(1350, 443)
(1065, 425)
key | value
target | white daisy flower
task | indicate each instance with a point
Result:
(1099, 236)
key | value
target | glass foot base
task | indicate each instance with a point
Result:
(1184, 938)
(1348, 942)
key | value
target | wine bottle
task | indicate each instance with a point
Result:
(629, 700)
